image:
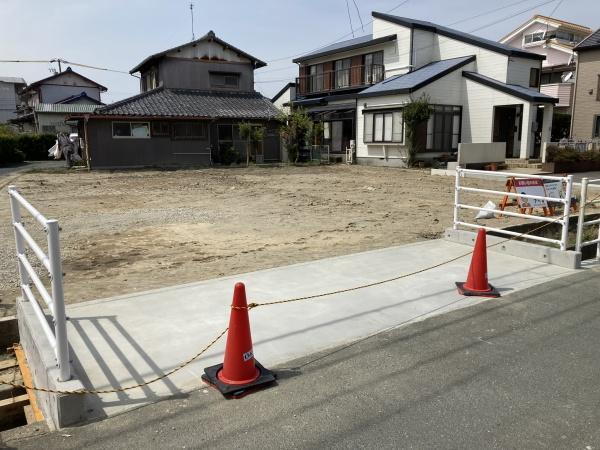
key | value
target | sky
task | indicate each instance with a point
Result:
(118, 34)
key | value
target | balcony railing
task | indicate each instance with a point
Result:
(355, 76)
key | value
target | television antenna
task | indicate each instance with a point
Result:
(192, 16)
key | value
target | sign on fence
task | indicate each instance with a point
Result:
(530, 186)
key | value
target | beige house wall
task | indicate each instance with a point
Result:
(587, 103)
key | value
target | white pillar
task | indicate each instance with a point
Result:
(547, 128)
(527, 140)
(547, 123)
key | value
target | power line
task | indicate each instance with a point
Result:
(476, 16)
(337, 40)
(466, 19)
(362, 26)
(350, 18)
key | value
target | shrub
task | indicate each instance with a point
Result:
(569, 154)
(34, 146)
(9, 154)
(414, 114)
(228, 156)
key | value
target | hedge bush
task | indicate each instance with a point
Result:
(569, 154)
(30, 147)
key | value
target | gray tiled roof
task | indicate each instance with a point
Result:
(590, 42)
(210, 36)
(532, 95)
(359, 42)
(411, 81)
(163, 102)
(15, 80)
(458, 35)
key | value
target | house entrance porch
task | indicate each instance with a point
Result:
(523, 127)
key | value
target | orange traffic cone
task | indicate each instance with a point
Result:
(239, 372)
(477, 281)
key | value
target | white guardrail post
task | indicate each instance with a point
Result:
(456, 198)
(52, 263)
(567, 211)
(60, 318)
(582, 202)
(19, 244)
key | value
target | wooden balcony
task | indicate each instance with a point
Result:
(341, 79)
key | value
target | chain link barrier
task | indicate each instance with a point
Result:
(254, 305)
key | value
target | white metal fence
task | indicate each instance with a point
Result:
(582, 223)
(57, 335)
(565, 201)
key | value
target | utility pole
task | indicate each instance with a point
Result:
(59, 66)
(192, 15)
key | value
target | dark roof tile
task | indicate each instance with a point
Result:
(589, 43)
(350, 44)
(458, 35)
(515, 90)
(162, 102)
(411, 81)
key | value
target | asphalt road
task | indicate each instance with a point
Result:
(521, 371)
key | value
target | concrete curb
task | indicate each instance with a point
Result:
(568, 259)
(59, 410)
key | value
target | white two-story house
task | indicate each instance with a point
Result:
(480, 91)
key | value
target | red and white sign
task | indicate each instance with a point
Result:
(530, 186)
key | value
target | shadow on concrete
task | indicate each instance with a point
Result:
(108, 327)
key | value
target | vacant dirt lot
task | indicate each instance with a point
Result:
(138, 230)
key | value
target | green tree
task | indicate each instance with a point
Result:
(251, 133)
(414, 114)
(295, 130)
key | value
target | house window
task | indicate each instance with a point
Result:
(383, 127)
(189, 130)
(342, 73)
(534, 37)
(316, 77)
(150, 79)
(443, 128)
(136, 130)
(534, 77)
(161, 129)
(373, 67)
(596, 131)
(225, 80)
(326, 130)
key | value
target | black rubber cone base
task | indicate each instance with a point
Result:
(265, 378)
(493, 292)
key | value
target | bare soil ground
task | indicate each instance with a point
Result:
(137, 230)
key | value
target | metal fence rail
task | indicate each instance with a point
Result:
(319, 153)
(582, 223)
(51, 262)
(566, 204)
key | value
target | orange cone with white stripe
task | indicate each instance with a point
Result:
(240, 372)
(477, 284)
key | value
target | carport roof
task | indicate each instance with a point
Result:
(189, 103)
(532, 95)
(411, 81)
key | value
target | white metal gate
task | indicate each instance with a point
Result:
(582, 223)
(57, 335)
